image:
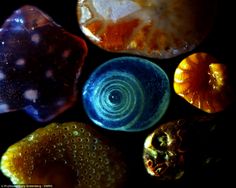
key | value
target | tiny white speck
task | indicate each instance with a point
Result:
(4, 158)
(20, 62)
(49, 73)
(66, 53)
(3, 43)
(4, 107)
(31, 137)
(35, 38)
(2, 75)
(75, 133)
(31, 95)
(18, 11)
(60, 102)
(19, 20)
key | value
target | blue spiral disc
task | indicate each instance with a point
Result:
(126, 94)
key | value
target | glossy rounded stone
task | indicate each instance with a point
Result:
(40, 64)
(126, 94)
(64, 155)
(155, 28)
(163, 156)
(193, 147)
(204, 82)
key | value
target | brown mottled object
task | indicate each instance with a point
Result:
(64, 155)
(193, 148)
(163, 153)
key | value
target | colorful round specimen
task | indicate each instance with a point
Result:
(163, 154)
(126, 94)
(204, 82)
(191, 148)
(155, 28)
(64, 155)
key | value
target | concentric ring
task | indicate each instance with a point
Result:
(118, 94)
(118, 98)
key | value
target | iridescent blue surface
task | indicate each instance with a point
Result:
(126, 94)
(39, 65)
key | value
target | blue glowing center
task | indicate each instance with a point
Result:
(115, 97)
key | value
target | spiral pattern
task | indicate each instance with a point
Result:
(118, 99)
(118, 94)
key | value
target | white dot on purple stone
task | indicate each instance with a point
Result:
(20, 61)
(49, 73)
(4, 107)
(61, 102)
(2, 75)
(31, 95)
(35, 38)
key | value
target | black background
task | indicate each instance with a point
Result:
(220, 43)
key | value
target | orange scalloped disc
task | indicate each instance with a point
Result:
(203, 81)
